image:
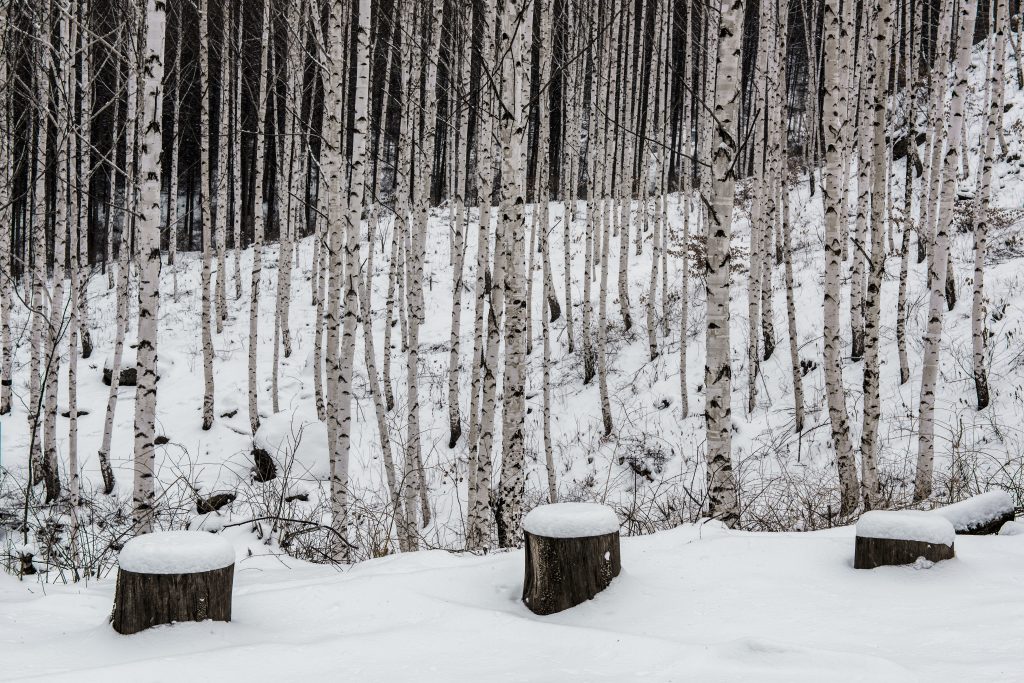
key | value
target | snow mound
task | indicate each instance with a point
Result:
(129, 358)
(1012, 529)
(571, 520)
(297, 443)
(978, 510)
(906, 525)
(176, 552)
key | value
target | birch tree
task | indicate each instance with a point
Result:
(722, 500)
(6, 250)
(979, 312)
(516, 28)
(259, 223)
(871, 492)
(148, 210)
(940, 257)
(339, 461)
(207, 191)
(836, 50)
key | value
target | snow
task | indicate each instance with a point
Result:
(297, 443)
(906, 525)
(978, 510)
(698, 603)
(176, 552)
(571, 520)
(1012, 529)
(128, 358)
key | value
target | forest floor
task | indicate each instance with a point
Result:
(697, 603)
(725, 606)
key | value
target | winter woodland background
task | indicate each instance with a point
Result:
(341, 280)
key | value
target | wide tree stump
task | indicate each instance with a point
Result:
(980, 515)
(572, 554)
(173, 576)
(896, 538)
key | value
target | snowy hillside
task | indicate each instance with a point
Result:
(651, 469)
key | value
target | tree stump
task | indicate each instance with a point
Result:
(896, 538)
(173, 576)
(980, 515)
(572, 554)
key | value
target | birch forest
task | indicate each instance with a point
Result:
(353, 279)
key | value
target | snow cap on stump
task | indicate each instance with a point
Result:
(902, 537)
(906, 525)
(176, 552)
(982, 514)
(571, 520)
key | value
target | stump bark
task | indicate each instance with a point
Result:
(878, 552)
(563, 572)
(145, 600)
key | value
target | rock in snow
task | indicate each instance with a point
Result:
(176, 552)
(571, 520)
(906, 525)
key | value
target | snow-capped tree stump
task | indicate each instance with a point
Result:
(902, 537)
(173, 576)
(572, 554)
(980, 515)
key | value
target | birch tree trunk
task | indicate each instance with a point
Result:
(722, 499)
(479, 466)
(148, 211)
(459, 245)
(56, 329)
(207, 191)
(979, 312)
(940, 258)
(757, 223)
(514, 122)
(836, 49)
(6, 252)
(220, 180)
(172, 181)
(871, 492)
(259, 223)
(340, 459)
(37, 274)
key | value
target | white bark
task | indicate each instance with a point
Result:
(979, 312)
(940, 258)
(870, 487)
(722, 499)
(206, 191)
(837, 57)
(148, 211)
(259, 223)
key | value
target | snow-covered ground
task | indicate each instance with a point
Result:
(697, 603)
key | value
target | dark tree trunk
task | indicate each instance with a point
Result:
(145, 600)
(878, 552)
(563, 572)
